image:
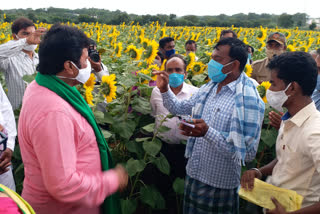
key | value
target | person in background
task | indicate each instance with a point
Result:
(276, 45)
(297, 163)
(18, 58)
(224, 135)
(67, 162)
(7, 128)
(228, 34)
(250, 54)
(98, 68)
(191, 46)
(166, 47)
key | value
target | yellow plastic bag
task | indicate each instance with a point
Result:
(262, 193)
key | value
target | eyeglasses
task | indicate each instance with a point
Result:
(3, 141)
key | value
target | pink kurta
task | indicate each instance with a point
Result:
(61, 157)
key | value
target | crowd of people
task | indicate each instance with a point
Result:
(67, 163)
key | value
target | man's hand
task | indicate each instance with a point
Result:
(199, 130)
(279, 208)
(162, 80)
(122, 176)
(1, 128)
(275, 119)
(5, 160)
(34, 38)
(247, 179)
(95, 65)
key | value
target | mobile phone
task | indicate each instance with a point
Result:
(187, 124)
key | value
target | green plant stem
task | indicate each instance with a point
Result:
(127, 106)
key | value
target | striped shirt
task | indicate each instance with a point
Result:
(15, 64)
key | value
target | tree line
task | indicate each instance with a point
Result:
(53, 15)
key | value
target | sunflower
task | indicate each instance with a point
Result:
(146, 72)
(108, 87)
(262, 89)
(88, 95)
(190, 60)
(248, 70)
(262, 35)
(118, 48)
(133, 52)
(163, 65)
(151, 51)
(291, 48)
(198, 68)
(91, 82)
(150, 68)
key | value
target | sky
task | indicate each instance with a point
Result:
(179, 7)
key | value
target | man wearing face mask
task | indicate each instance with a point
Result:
(176, 68)
(17, 58)
(166, 47)
(297, 163)
(227, 116)
(276, 45)
(68, 165)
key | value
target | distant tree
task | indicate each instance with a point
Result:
(285, 20)
(312, 26)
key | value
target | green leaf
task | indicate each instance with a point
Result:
(99, 116)
(134, 166)
(141, 105)
(199, 78)
(124, 129)
(106, 133)
(152, 147)
(162, 164)
(162, 129)
(152, 197)
(108, 118)
(29, 78)
(143, 139)
(269, 136)
(135, 147)
(128, 206)
(149, 128)
(178, 186)
(144, 76)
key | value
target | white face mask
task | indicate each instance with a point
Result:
(83, 75)
(276, 99)
(28, 47)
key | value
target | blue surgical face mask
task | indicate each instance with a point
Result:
(175, 80)
(215, 71)
(249, 56)
(318, 83)
(170, 52)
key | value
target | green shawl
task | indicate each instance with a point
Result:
(70, 94)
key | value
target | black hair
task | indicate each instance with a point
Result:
(252, 49)
(318, 51)
(21, 23)
(92, 42)
(234, 35)
(164, 41)
(180, 57)
(190, 42)
(61, 43)
(297, 67)
(238, 50)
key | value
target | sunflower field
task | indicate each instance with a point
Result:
(121, 101)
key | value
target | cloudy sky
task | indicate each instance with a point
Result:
(179, 7)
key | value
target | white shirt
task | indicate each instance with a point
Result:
(15, 64)
(173, 136)
(7, 119)
(298, 155)
(104, 72)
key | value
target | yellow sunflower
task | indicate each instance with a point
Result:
(291, 48)
(133, 52)
(163, 65)
(248, 70)
(89, 96)
(191, 58)
(262, 89)
(262, 35)
(150, 68)
(91, 82)
(118, 48)
(146, 72)
(108, 87)
(198, 68)
(151, 51)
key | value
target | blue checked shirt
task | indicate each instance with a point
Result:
(211, 159)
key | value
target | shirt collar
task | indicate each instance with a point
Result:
(299, 118)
